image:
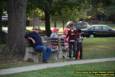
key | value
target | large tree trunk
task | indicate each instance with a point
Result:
(55, 23)
(16, 26)
(47, 20)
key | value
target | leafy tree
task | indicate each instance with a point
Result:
(71, 10)
(34, 11)
(55, 9)
(103, 6)
(44, 5)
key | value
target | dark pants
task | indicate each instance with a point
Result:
(72, 48)
(79, 49)
(45, 50)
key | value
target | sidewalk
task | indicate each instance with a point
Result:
(50, 65)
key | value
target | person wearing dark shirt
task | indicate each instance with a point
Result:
(71, 35)
(38, 44)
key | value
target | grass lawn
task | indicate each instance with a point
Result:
(104, 69)
(92, 48)
(15, 64)
(98, 47)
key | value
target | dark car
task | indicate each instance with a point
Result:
(98, 31)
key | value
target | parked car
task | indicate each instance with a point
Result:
(98, 31)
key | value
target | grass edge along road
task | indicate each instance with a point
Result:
(103, 69)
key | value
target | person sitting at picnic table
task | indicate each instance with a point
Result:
(54, 33)
(38, 44)
(54, 38)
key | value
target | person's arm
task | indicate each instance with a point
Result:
(51, 35)
(33, 41)
(68, 34)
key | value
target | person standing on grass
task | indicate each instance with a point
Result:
(78, 44)
(38, 44)
(71, 35)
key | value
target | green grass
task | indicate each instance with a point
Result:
(92, 48)
(98, 47)
(82, 70)
(15, 64)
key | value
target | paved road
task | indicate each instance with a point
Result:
(50, 65)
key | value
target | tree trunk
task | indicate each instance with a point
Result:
(16, 26)
(55, 23)
(63, 24)
(47, 21)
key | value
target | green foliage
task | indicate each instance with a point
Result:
(3, 4)
(110, 10)
(36, 12)
(58, 8)
(103, 6)
(71, 9)
(33, 10)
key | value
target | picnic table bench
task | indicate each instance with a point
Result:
(56, 45)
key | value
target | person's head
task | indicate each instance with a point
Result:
(69, 24)
(54, 29)
(72, 27)
(36, 29)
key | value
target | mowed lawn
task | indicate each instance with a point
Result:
(93, 48)
(98, 47)
(104, 69)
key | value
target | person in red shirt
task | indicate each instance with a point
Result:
(72, 35)
(54, 33)
(66, 29)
